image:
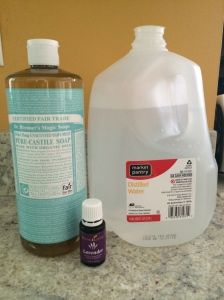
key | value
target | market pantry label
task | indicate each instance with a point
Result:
(160, 190)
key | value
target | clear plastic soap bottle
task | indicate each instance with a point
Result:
(149, 152)
(45, 106)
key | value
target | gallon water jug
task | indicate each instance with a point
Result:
(150, 156)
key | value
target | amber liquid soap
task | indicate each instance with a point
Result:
(45, 108)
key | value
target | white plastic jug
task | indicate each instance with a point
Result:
(149, 153)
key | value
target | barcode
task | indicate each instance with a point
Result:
(179, 211)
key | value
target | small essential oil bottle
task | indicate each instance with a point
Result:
(92, 233)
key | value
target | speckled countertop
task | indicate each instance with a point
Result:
(191, 271)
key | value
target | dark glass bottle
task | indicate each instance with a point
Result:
(92, 233)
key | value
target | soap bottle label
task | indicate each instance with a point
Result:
(48, 146)
(160, 190)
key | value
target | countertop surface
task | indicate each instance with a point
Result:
(194, 270)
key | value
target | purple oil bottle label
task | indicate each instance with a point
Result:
(93, 247)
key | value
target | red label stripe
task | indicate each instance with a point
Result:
(143, 218)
